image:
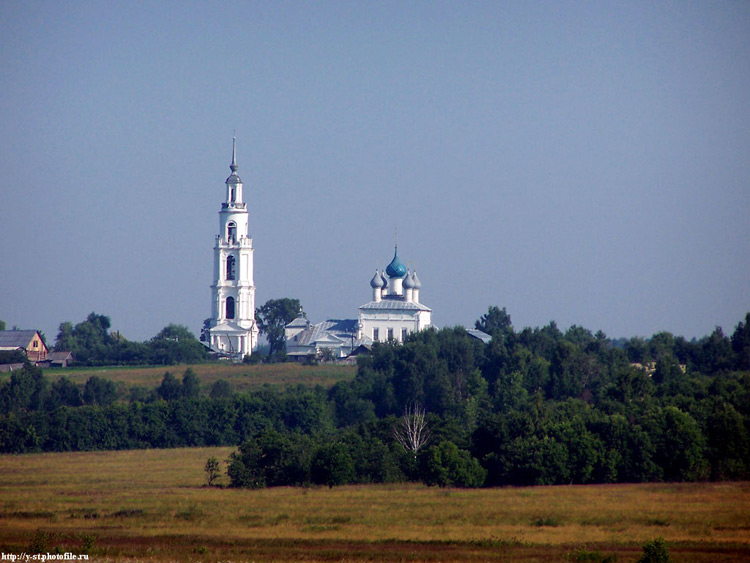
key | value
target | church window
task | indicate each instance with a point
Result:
(390, 334)
(231, 195)
(230, 267)
(231, 231)
(230, 307)
(375, 334)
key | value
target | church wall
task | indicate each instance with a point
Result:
(383, 322)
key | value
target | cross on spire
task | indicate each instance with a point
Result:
(233, 166)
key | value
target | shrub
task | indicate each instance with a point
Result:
(656, 551)
(447, 466)
(212, 471)
(332, 465)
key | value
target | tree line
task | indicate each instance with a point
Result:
(93, 344)
(535, 406)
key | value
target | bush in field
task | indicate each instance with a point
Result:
(212, 471)
(447, 466)
(656, 551)
(271, 459)
(332, 465)
(221, 389)
(245, 467)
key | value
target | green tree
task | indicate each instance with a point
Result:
(89, 341)
(741, 344)
(170, 389)
(64, 392)
(716, 353)
(680, 445)
(99, 391)
(272, 317)
(332, 465)
(245, 467)
(212, 471)
(26, 391)
(495, 321)
(221, 389)
(446, 465)
(656, 551)
(175, 344)
(191, 385)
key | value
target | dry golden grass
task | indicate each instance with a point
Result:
(152, 505)
(242, 377)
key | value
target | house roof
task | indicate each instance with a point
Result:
(12, 339)
(483, 336)
(229, 327)
(331, 330)
(298, 322)
(59, 356)
(394, 303)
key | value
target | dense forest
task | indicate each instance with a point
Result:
(535, 406)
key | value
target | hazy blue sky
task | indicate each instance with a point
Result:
(583, 162)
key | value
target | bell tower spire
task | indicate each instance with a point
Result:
(232, 329)
(234, 183)
(233, 166)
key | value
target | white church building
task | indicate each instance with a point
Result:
(393, 313)
(395, 310)
(232, 330)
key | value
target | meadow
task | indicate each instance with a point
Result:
(153, 505)
(242, 377)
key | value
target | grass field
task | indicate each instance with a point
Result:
(152, 505)
(241, 377)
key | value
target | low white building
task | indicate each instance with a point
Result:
(395, 310)
(335, 338)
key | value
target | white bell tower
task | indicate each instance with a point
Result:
(231, 328)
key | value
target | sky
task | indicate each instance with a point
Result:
(580, 162)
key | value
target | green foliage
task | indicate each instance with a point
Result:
(25, 391)
(99, 391)
(12, 357)
(496, 322)
(170, 389)
(585, 556)
(447, 466)
(92, 344)
(176, 344)
(272, 317)
(540, 406)
(191, 386)
(221, 389)
(741, 344)
(213, 471)
(656, 551)
(332, 465)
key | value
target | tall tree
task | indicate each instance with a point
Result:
(89, 341)
(176, 344)
(412, 431)
(273, 317)
(741, 344)
(495, 321)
